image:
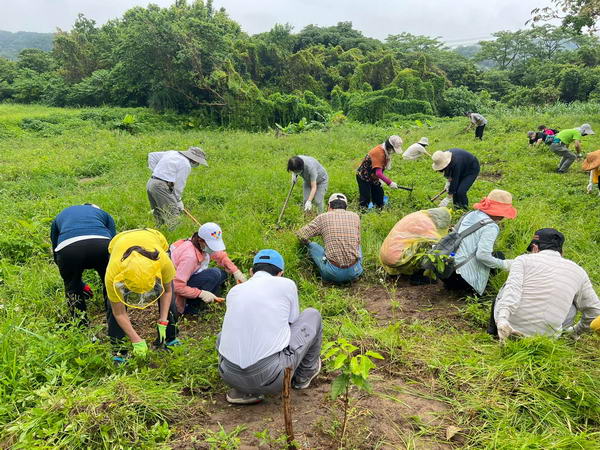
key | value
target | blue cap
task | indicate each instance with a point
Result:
(269, 256)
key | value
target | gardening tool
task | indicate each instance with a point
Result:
(287, 199)
(191, 217)
(434, 198)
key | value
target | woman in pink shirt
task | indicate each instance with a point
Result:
(195, 283)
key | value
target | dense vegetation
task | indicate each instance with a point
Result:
(11, 44)
(190, 57)
(59, 388)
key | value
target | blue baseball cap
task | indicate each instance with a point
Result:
(269, 256)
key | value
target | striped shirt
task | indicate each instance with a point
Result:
(340, 230)
(539, 292)
(481, 243)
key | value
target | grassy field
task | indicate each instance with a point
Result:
(443, 384)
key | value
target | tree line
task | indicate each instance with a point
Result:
(190, 57)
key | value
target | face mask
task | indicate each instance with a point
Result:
(207, 250)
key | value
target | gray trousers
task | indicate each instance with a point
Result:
(162, 201)
(319, 195)
(567, 156)
(266, 376)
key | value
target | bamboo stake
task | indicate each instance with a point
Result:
(287, 407)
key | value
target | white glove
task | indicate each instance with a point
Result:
(308, 206)
(508, 263)
(393, 185)
(447, 185)
(180, 205)
(445, 202)
(590, 188)
(207, 296)
(239, 277)
(505, 330)
(382, 183)
(294, 177)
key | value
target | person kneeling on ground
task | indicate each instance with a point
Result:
(315, 179)
(264, 332)
(592, 163)
(140, 273)
(544, 292)
(195, 283)
(80, 236)
(475, 257)
(340, 261)
(461, 169)
(399, 253)
(416, 150)
(561, 142)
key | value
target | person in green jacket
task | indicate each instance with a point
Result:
(562, 140)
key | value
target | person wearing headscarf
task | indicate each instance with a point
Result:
(370, 174)
(139, 274)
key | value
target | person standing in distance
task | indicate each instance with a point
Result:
(478, 121)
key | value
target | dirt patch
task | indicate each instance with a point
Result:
(402, 301)
(394, 416)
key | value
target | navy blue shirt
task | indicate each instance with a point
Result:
(462, 164)
(81, 220)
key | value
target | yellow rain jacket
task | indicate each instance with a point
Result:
(411, 236)
(137, 272)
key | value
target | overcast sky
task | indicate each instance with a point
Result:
(456, 21)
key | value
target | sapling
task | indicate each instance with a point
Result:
(354, 371)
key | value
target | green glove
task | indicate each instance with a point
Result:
(140, 349)
(162, 332)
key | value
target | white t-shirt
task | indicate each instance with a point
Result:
(415, 151)
(258, 317)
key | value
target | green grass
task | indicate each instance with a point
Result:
(59, 389)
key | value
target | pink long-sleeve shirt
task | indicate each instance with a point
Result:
(188, 260)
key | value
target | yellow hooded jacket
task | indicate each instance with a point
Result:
(137, 272)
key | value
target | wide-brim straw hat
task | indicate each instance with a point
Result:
(195, 154)
(497, 203)
(592, 161)
(441, 160)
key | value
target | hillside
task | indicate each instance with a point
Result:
(12, 43)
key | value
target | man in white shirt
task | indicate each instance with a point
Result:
(416, 150)
(544, 291)
(170, 171)
(264, 332)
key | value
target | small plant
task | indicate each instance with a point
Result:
(267, 440)
(222, 440)
(354, 368)
(129, 123)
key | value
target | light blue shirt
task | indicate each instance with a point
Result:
(477, 271)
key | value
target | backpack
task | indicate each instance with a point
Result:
(447, 247)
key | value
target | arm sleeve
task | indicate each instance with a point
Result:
(509, 298)
(54, 234)
(485, 246)
(379, 174)
(311, 230)
(294, 305)
(185, 268)
(183, 171)
(312, 173)
(110, 224)
(223, 260)
(153, 159)
(586, 302)
(454, 178)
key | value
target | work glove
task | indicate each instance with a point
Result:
(447, 185)
(508, 263)
(180, 206)
(207, 296)
(162, 331)
(140, 349)
(294, 177)
(239, 277)
(308, 206)
(590, 188)
(382, 183)
(505, 330)
(445, 202)
(393, 185)
(87, 291)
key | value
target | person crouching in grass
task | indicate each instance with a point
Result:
(140, 273)
(195, 283)
(340, 260)
(264, 333)
(592, 164)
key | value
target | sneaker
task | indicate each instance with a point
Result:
(236, 397)
(303, 383)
